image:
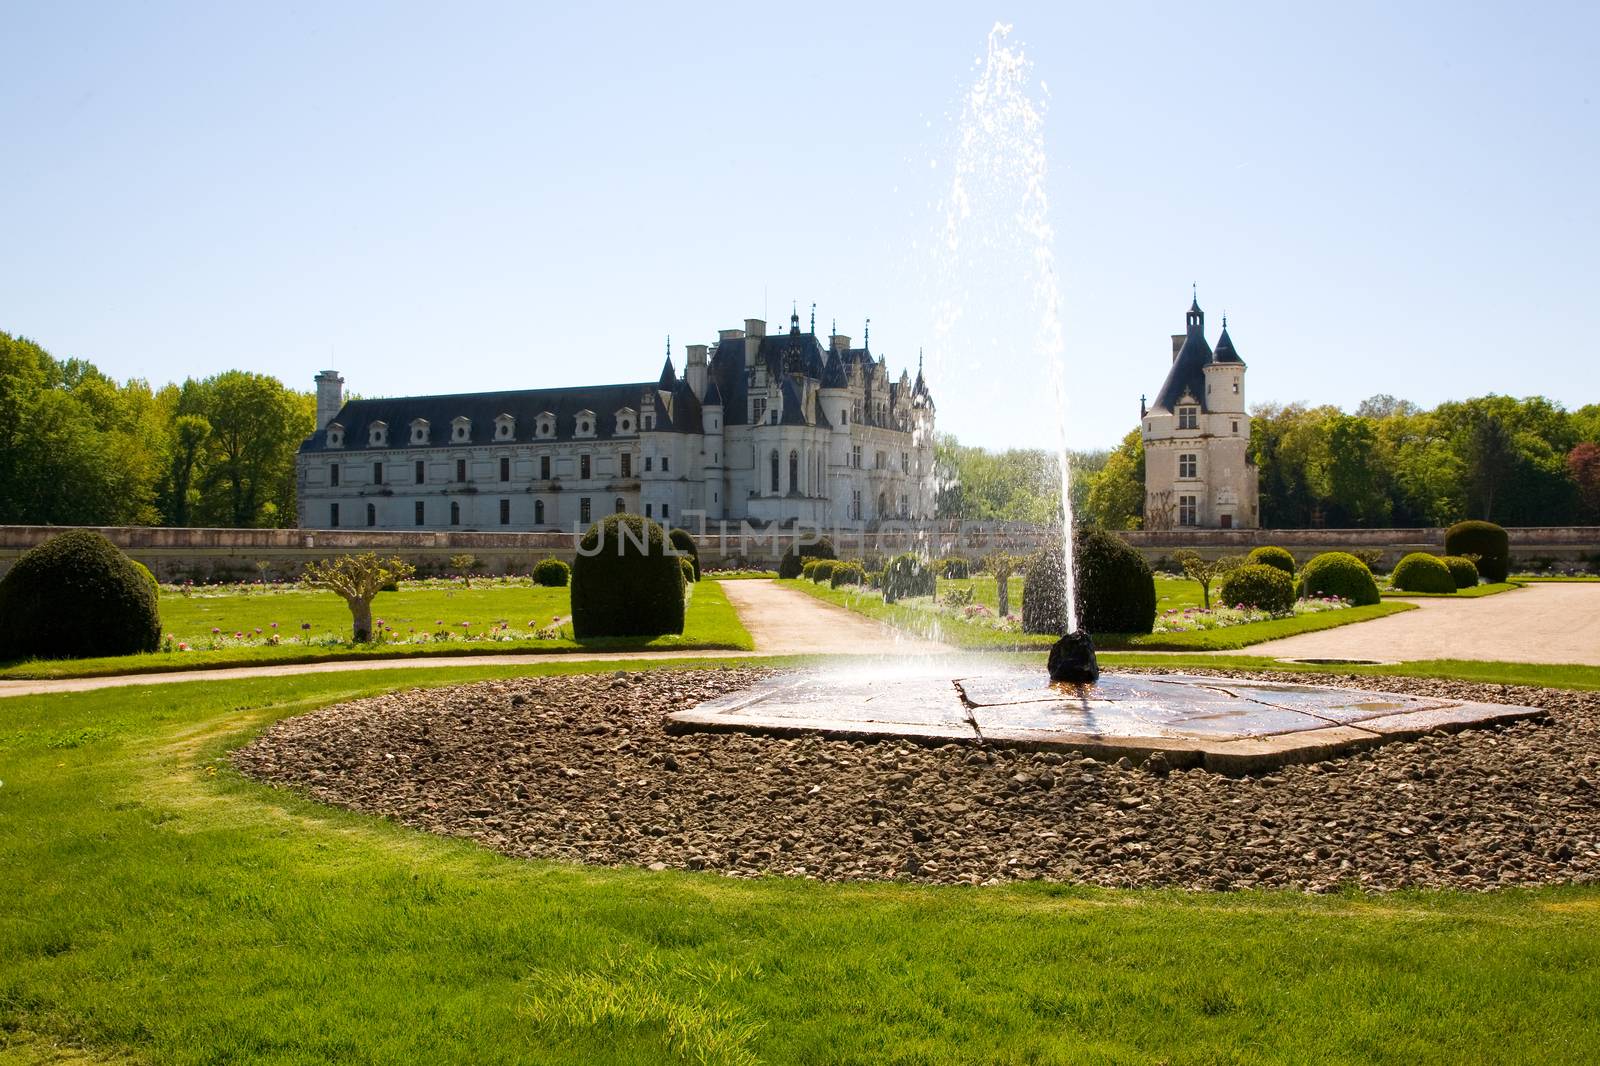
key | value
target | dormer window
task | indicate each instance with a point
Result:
(377, 434)
(586, 423)
(460, 429)
(626, 420)
(1188, 418)
(505, 427)
(419, 431)
(335, 435)
(545, 425)
(649, 422)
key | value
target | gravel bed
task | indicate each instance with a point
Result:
(579, 768)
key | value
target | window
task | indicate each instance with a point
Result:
(333, 516)
(794, 471)
(855, 456)
(855, 505)
(421, 510)
(844, 417)
(377, 434)
(1187, 510)
(461, 470)
(649, 421)
(621, 506)
(773, 462)
(583, 510)
(505, 469)
(883, 504)
(377, 473)
(1188, 465)
(880, 460)
(905, 505)
(422, 472)
(1188, 418)
(544, 468)
(461, 427)
(583, 467)
(372, 515)
(666, 463)
(758, 410)
(905, 465)
(666, 510)
(626, 466)
(538, 512)
(333, 474)
(1236, 427)
(505, 512)
(649, 462)
(455, 513)
(649, 510)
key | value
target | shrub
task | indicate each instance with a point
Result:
(848, 574)
(821, 570)
(1421, 572)
(789, 566)
(73, 597)
(552, 573)
(955, 567)
(357, 578)
(686, 565)
(907, 575)
(149, 578)
(1485, 540)
(1260, 585)
(1339, 574)
(683, 540)
(1464, 571)
(1115, 593)
(808, 566)
(624, 584)
(1272, 555)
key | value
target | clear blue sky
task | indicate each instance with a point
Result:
(1384, 197)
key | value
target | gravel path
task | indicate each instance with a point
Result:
(579, 768)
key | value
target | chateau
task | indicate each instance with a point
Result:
(1197, 468)
(768, 429)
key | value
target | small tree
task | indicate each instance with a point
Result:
(463, 564)
(1003, 565)
(358, 578)
(1205, 571)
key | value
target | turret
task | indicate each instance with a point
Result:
(1225, 378)
(330, 396)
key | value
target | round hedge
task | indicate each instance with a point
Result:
(683, 540)
(619, 590)
(1421, 572)
(820, 570)
(848, 574)
(1339, 574)
(793, 559)
(76, 597)
(1259, 585)
(552, 573)
(1115, 591)
(686, 565)
(907, 575)
(1463, 570)
(955, 567)
(149, 578)
(807, 567)
(1272, 555)
(1485, 540)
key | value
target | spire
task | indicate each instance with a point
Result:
(669, 376)
(1196, 320)
(813, 319)
(866, 336)
(794, 317)
(1225, 351)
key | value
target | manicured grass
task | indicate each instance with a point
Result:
(1476, 591)
(975, 636)
(1171, 592)
(159, 905)
(1558, 577)
(709, 622)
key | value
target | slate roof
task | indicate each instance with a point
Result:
(525, 405)
(1225, 352)
(1187, 373)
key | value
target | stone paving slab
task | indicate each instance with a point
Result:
(1221, 724)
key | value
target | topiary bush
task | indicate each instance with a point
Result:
(1272, 555)
(1485, 541)
(1115, 590)
(1339, 574)
(552, 573)
(76, 597)
(686, 565)
(789, 566)
(907, 575)
(624, 583)
(149, 578)
(683, 540)
(1421, 572)
(848, 574)
(1464, 571)
(806, 568)
(955, 566)
(1260, 585)
(821, 570)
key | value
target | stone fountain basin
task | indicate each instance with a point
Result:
(1216, 723)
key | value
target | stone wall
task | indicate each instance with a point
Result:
(245, 554)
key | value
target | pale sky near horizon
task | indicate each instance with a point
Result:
(438, 198)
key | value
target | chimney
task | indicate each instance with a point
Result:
(1177, 344)
(330, 396)
(754, 330)
(840, 342)
(694, 371)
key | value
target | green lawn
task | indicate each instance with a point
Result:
(1171, 593)
(1488, 589)
(709, 622)
(158, 905)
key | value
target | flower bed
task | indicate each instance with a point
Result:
(1195, 619)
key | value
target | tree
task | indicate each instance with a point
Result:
(463, 564)
(189, 435)
(1003, 565)
(1583, 465)
(1205, 571)
(256, 426)
(1348, 475)
(1116, 498)
(358, 578)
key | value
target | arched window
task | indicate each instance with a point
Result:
(774, 463)
(883, 505)
(794, 471)
(455, 513)
(538, 512)
(622, 506)
(372, 515)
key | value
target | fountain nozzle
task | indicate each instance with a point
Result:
(1072, 660)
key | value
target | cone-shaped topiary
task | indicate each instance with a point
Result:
(789, 566)
(1339, 574)
(905, 575)
(1115, 592)
(624, 584)
(683, 540)
(1486, 542)
(1421, 572)
(1272, 555)
(1464, 571)
(1259, 585)
(75, 597)
(552, 573)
